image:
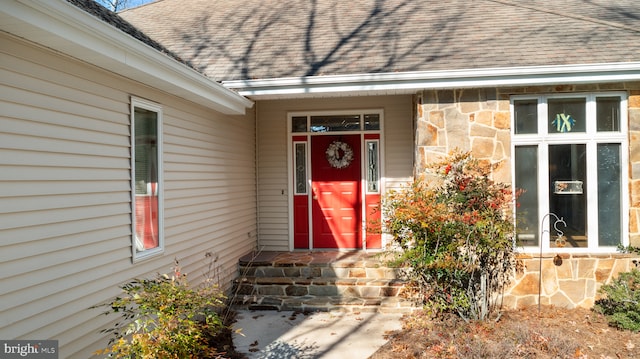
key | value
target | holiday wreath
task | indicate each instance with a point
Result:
(339, 154)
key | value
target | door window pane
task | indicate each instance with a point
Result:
(371, 122)
(608, 114)
(334, 123)
(373, 172)
(568, 196)
(299, 124)
(609, 187)
(567, 115)
(525, 116)
(301, 167)
(526, 178)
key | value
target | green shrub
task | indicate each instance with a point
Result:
(621, 301)
(453, 230)
(165, 318)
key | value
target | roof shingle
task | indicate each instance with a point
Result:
(259, 39)
(111, 18)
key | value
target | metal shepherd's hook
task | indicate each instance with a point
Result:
(560, 235)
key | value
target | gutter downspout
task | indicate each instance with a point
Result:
(257, 187)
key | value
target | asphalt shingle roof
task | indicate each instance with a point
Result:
(111, 18)
(259, 39)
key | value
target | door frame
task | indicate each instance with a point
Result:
(303, 197)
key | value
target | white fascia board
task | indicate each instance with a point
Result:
(408, 82)
(63, 27)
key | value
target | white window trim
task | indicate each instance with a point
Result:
(150, 106)
(591, 138)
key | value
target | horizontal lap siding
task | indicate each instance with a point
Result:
(273, 214)
(398, 141)
(65, 211)
(273, 211)
(64, 194)
(210, 190)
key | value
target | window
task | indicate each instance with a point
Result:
(569, 158)
(300, 173)
(372, 166)
(146, 167)
(339, 122)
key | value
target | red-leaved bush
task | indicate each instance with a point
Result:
(453, 229)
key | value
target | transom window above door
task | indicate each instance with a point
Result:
(336, 123)
(570, 159)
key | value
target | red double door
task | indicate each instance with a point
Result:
(337, 199)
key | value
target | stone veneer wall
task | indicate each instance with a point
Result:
(479, 121)
(569, 280)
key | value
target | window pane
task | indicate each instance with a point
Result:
(609, 206)
(567, 115)
(373, 176)
(299, 124)
(525, 116)
(301, 168)
(372, 122)
(608, 114)
(335, 123)
(146, 179)
(568, 196)
(526, 178)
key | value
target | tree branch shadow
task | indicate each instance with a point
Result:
(374, 40)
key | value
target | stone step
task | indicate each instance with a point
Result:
(321, 281)
(297, 286)
(326, 304)
(321, 272)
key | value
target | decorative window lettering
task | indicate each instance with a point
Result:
(563, 122)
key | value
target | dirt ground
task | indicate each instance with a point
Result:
(550, 333)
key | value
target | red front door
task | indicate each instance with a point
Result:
(336, 198)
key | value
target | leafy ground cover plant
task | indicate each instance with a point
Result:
(621, 301)
(452, 228)
(164, 317)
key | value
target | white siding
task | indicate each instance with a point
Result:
(65, 211)
(273, 218)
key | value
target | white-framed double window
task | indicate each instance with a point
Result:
(570, 159)
(146, 177)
